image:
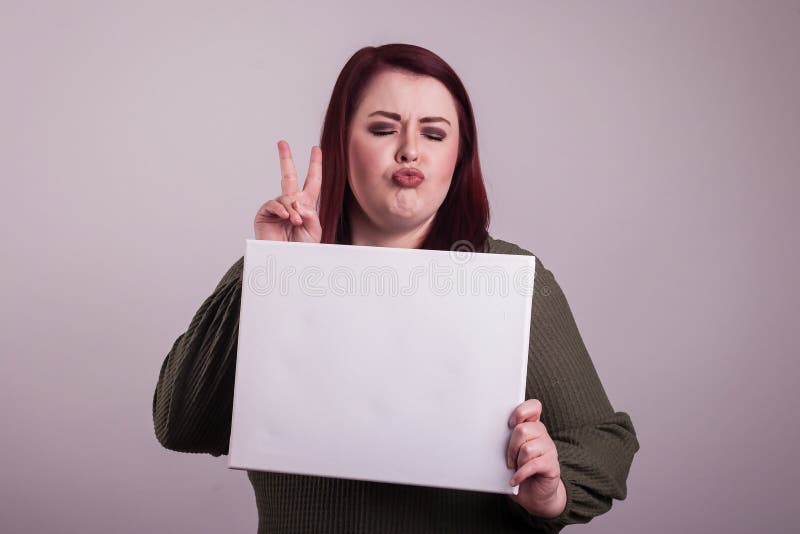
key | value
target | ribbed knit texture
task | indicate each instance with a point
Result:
(193, 401)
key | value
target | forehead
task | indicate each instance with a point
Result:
(408, 95)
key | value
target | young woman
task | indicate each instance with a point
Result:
(401, 169)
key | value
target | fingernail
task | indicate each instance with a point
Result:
(513, 482)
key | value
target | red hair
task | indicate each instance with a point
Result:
(464, 213)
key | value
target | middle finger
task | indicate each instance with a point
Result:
(522, 433)
(288, 172)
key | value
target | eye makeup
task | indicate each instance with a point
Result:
(381, 129)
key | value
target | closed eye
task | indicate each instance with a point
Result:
(432, 137)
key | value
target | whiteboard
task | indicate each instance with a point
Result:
(381, 364)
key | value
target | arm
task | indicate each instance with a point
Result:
(193, 398)
(595, 444)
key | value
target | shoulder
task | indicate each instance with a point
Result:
(233, 276)
(550, 308)
(500, 246)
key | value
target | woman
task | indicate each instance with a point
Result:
(401, 169)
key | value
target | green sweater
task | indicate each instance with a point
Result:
(193, 400)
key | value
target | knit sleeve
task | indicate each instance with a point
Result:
(193, 399)
(595, 444)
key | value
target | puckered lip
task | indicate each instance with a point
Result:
(408, 171)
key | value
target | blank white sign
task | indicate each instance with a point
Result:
(382, 364)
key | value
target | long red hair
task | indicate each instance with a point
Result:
(463, 218)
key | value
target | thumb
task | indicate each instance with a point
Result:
(304, 211)
(310, 218)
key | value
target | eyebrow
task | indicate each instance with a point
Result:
(396, 116)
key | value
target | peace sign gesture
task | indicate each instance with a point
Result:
(293, 215)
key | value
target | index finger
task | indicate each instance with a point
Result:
(288, 172)
(530, 410)
(314, 176)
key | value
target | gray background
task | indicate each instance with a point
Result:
(646, 152)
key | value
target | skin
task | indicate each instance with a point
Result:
(533, 454)
(292, 216)
(384, 213)
(388, 215)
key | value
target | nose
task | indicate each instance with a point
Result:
(407, 151)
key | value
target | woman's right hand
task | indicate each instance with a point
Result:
(293, 215)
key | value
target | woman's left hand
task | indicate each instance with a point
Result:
(533, 454)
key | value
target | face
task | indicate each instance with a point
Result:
(402, 121)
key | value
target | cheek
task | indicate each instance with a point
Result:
(452, 156)
(446, 163)
(364, 161)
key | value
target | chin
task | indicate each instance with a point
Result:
(407, 220)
